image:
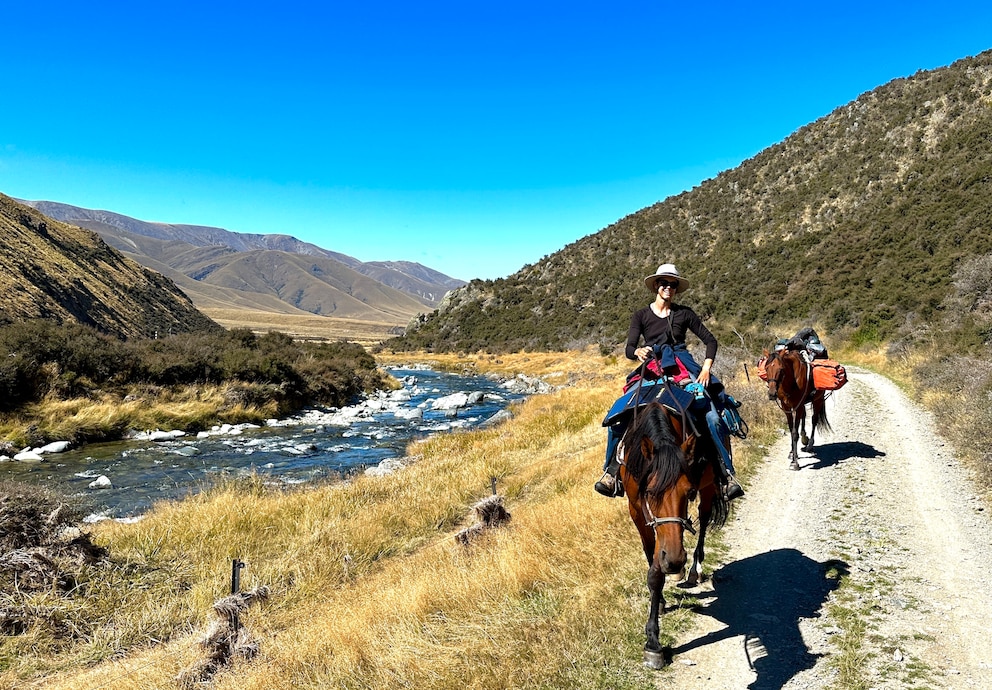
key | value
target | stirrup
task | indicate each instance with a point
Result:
(732, 488)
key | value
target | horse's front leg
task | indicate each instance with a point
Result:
(654, 656)
(695, 575)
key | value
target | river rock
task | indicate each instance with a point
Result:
(159, 435)
(450, 402)
(54, 447)
(414, 413)
(101, 482)
(527, 385)
(29, 456)
(387, 466)
(497, 418)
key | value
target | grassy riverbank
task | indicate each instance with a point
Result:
(367, 585)
(70, 383)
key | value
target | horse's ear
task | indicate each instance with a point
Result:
(647, 448)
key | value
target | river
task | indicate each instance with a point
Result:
(315, 445)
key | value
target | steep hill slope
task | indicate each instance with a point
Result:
(856, 222)
(63, 273)
(425, 285)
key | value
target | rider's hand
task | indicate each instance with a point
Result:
(704, 374)
(643, 353)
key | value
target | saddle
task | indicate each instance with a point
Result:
(672, 397)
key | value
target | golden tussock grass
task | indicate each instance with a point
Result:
(369, 588)
(187, 407)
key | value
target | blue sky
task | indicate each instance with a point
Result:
(474, 137)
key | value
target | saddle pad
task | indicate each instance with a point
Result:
(671, 397)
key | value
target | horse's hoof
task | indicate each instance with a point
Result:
(655, 660)
(793, 465)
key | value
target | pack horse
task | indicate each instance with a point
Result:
(796, 379)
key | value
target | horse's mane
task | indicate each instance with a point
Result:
(667, 462)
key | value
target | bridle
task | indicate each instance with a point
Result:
(653, 522)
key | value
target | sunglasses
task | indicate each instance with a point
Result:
(665, 284)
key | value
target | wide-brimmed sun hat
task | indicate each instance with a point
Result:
(666, 271)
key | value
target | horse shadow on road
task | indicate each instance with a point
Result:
(762, 599)
(830, 454)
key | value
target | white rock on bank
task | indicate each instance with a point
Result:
(29, 456)
(387, 466)
(54, 447)
(158, 435)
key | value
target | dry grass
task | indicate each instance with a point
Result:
(369, 587)
(187, 407)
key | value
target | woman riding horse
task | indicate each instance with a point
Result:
(663, 325)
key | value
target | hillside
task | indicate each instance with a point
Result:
(55, 271)
(867, 222)
(413, 288)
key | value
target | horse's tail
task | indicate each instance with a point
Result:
(820, 421)
(721, 509)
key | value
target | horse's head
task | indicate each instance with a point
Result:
(787, 375)
(667, 512)
(660, 490)
(774, 370)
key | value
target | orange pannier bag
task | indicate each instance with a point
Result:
(762, 374)
(828, 375)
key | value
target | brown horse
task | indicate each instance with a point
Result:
(663, 470)
(790, 384)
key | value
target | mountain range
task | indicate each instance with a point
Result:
(874, 223)
(221, 269)
(59, 272)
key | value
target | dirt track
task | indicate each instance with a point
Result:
(881, 498)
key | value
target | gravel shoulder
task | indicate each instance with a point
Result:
(876, 555)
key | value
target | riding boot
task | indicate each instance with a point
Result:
(725, 464)
(608, 485)
(731, 487)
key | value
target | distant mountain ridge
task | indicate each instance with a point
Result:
(869, 222)
(342, 286)
(60, 272)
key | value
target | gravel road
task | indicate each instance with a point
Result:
(882, 500)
